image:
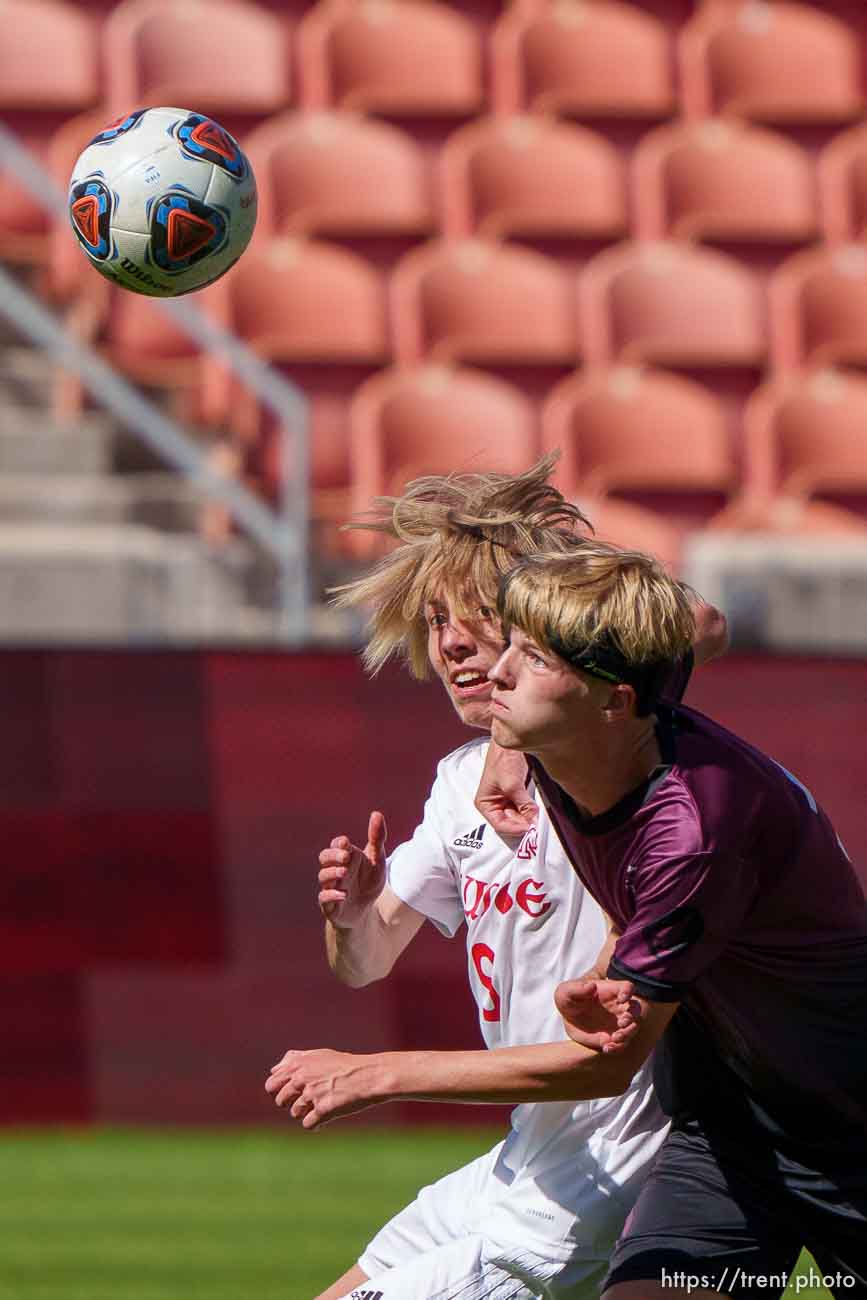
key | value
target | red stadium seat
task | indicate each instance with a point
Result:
(301, 300)
(788, 517)
(402, 58)
(818, 303)
(843, 185)
(480, 302)
(532, 176)
(221, 57)
(776, 63)
(723, 180)
(338, 173)
(48, 57)
(807, 437)
(318, 312)
(634, 528)
(599, 60)
(48, 70)
(635, 430)
(672, 304)
(433, 420)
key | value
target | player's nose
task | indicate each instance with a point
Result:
(457, 638)
(501, 674)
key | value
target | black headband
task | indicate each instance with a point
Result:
(603, 659)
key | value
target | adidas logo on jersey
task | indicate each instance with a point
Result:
(366, 1295)
(473, 838)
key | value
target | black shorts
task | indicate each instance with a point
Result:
(720, 1213)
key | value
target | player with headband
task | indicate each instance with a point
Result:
(742, 938)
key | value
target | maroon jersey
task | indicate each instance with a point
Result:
(734, 896)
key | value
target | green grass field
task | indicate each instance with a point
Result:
(163, 1215)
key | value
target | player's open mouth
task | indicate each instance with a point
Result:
(469, 684)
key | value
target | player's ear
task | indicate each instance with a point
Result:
(620, 703)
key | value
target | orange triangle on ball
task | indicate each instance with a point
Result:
(187, 234)
(85, 214)
(211, 136)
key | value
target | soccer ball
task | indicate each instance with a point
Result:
(163, 201)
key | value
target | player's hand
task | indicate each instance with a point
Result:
(323, 1085)
(502, 797)
(600, 1014)
(351, 879)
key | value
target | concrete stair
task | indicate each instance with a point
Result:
(98, 542)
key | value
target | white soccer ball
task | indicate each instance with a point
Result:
(163, 201)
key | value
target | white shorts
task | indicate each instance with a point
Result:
(482, 1234)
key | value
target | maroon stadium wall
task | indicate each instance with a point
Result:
(161, 814)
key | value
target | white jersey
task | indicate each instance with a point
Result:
(529, 924)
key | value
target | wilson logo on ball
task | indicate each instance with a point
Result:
(201, 138)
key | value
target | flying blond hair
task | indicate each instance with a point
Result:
(457, 534)
(612, 609)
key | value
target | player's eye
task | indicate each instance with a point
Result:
(437, 620)
(487, 613)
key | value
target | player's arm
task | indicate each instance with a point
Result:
(322, 1085)
(367, 926)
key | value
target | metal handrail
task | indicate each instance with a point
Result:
(284, 533)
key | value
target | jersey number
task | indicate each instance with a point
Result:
(480, 952)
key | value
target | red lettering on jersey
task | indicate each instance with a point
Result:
(504, 901)
(532, 904)
(527, 847)
(481, 898)
(481, 952)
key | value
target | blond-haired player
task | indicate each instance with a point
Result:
(742, 939)
(537, 1215)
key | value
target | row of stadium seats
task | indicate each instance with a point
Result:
(650, 454)
(308, 302)
(768, 62)
(556, 185)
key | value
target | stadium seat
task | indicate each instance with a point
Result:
(338, 173)
(220, 57)
(402, 58)
(530, 175)
(781, 63)
(303, 300)
(318, 313)
(48, 57)
(48, 70)
(842, 170)
(672, 304)
(806, 437)
(639, 431)
(433, 419)
(789, 517)
(634, 528)
(486, 303)
(588, 60)
(723, 180)
(818, 302)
